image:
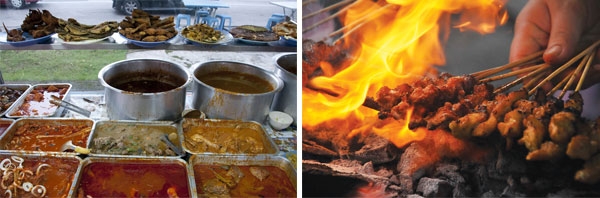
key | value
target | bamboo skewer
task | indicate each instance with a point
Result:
(524, 61)
(334, 15)
(557, 86)
(573, 75)
(544, 67)
(358, 23)
(585, 71)
(512, 73)
(536, 78)
(306, 2)
(565, 66)
(326, 9)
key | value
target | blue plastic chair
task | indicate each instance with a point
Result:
(180, 17)
(275, 19)
(211, 21)
(200, 15)
(222, 18)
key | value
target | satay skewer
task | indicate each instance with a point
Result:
(522, 78)
(558, 85)
(565, 66)
(585, 71)
(530, 59)
(326, 9)
(358, 23)
(573, 75)
(328, 18)
(536, 78)
(511, 74)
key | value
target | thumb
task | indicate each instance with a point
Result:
(565, 32)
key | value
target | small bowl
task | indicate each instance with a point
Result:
(280, 120)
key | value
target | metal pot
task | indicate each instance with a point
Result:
(223, 104)
(285, 68)
(148, 105)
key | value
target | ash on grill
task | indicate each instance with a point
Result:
(478, 144)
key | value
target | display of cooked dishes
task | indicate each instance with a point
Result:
(202, 33)
(242, 181)
(133, 139)
(142, 26)
(34, 176)
(47, 135)
(286, 29)
(8, 96)
(72, 30)
(255, 33)
(37, 102)
(123, 178)
(225, 136)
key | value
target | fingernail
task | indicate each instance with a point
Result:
(553, 51)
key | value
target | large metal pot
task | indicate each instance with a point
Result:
(223, 104)
(145, 102)
(285, 68)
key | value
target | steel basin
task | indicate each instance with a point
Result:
(222, 104)
(144, 106)
(285, 68)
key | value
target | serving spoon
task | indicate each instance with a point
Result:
(70, 146)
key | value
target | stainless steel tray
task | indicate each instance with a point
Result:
(21, 100)
(59, 167)
(4, 121)
(10, 132)
(270, 147)
(104, 129)
(21, 87)
(257, 160)
(138, 161)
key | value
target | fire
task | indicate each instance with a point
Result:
(393, 42)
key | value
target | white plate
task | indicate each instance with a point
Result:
(84, 42)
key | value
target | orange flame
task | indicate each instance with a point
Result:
(395, 42)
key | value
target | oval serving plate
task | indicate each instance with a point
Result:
(253, 42)
(227, 37)
(29, 40)
(291, 41)
(84, 42)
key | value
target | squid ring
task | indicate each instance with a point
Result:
(18, 160)
(37, 172)
(5, 164)
(38, 191)
(9, 193)
(27, 186)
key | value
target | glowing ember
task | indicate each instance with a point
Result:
(394, 42)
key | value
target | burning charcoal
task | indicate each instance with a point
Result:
(431, 187)
(450, 171)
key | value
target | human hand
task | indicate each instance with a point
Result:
(562, 28)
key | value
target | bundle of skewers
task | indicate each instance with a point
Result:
(471, 108)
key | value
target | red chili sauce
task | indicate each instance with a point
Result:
(105, 179)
